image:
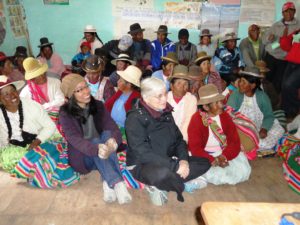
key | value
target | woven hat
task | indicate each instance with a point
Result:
(69, 83)
(195, 73)
(288, 5)
(251, 71)
(170, 57)
(135, 28)
(230, 36)
(180, 72)
(202, 56)
(123, 57)
(162, 29)
(125, 42)
(92, 64)
(33, 68)
(89, 29)
(5, 81)
(2, 56)
(205, 32)
(209, 93)
(131, 74)
(44, 42)
(21, 51)
(262, 66)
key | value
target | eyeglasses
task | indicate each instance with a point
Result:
(79, 90)
(160, 96)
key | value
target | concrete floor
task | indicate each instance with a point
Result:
(82, 203)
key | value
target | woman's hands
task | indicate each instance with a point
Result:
(263, 133)
(221, 161)
(36, 142)
(104, 150)
(184, 169)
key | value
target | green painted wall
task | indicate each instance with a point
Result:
(64, 24)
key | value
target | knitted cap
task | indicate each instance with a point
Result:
(69, 84)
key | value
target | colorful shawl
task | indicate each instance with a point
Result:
(37, 94)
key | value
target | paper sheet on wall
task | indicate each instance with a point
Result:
(261, 12)
(16, 20)
(119, 5)
(2, 23)
(184, 7)
(225, 2)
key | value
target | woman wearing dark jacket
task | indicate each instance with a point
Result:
(157, 154)
(92, 137)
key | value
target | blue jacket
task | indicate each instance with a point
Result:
(226, 61)
(80, 57)
(158, 50)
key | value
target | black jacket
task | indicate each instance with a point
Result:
(153, 138)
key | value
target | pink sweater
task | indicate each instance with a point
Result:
(56, 64)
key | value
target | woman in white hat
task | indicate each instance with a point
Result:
(42, 89)
(213, 135)
(121, 102)
(26, 148)
(157, 154)
(91, 36)
(92, 137)
(100, 86)
(250, 100)
(121, 63)
(183, 102)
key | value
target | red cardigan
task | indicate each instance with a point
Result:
(198, 137)
(292, 49)
(128, 104)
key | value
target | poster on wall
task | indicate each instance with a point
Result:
(56, 2)
(2, 23)
(263, 15)
(15, 17)
(119, 5)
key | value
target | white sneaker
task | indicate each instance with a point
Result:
(157, 197)
(109, 194)
(122, 193)
(197, 183)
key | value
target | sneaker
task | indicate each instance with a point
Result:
(122, 193)
(157, 197)
(192, 185)
(109, 194)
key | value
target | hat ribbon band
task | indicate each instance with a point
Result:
(209, 96)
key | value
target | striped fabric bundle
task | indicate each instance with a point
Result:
(128, 178)
(247, 132)
(46, 166)
(288, 147)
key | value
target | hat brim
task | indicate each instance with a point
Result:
(179, 76)
(169, 60)
(136, 31)
(205, 101)
(125, 77)
(205, 35)
(18, 84)
(199, 60)
(36, 73)
(242, 73)
(162, 32)
(44, 45)
(83, 66)
(228, 39)
(264, 70)
(114, 61)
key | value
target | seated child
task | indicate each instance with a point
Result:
(78, 58)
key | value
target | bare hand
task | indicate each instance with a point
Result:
(36, 142)
(111, 144)
(103, 151)
(184, 169)
(223, 161)
(263, 133)
(271, 37)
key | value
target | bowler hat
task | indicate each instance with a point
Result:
(21, 51)
(92, 64)
(44, 42)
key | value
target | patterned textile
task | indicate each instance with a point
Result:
(46, 166)
(217, 131)
(280, 116)
(37, 94)
(288, 147)
(128, 178)
(247, 132)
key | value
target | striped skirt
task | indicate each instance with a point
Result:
(44, 167)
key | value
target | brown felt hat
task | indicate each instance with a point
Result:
(262, 66)
(202, 56)
(180, 72)
(209, 93)
(69, 84)
(170, 57)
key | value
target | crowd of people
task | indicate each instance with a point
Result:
(184, 115)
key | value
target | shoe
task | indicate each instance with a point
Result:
(109, 194)
(192, 185)
(157, 197)
(122, 193)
